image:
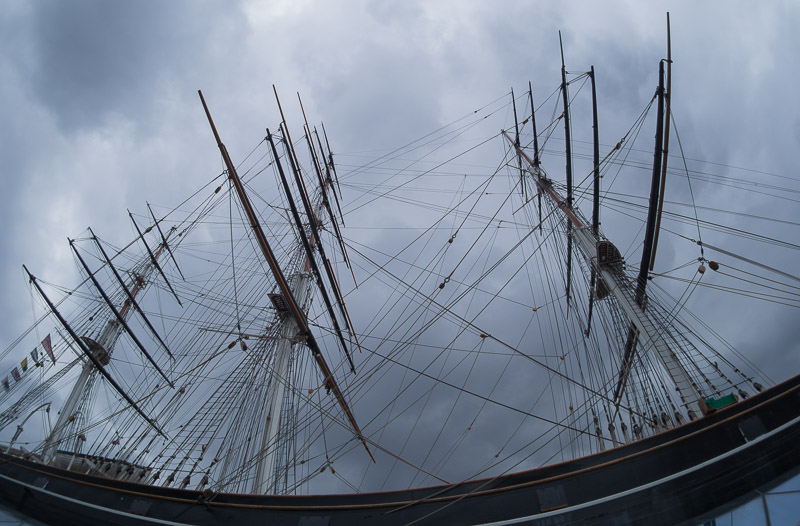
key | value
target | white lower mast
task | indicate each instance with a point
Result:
(267, 476)
(637, 315)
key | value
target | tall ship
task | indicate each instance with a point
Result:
(517, 349)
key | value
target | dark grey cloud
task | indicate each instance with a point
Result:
(82, 83)
(91, 60)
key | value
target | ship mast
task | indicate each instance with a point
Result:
(267, 476)
(273, 441)
(292, 305)
(102, 349)
(568, 151)
(607, 263)
(106, 342)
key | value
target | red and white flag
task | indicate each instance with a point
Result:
(49, 348)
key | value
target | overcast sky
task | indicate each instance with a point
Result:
(100, 111)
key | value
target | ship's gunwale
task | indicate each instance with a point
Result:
(429, 494)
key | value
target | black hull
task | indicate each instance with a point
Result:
(682, 475)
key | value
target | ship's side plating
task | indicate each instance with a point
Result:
(683, 474)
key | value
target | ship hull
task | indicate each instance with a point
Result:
(684, 474)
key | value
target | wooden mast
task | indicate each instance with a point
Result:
(567, 134)
(595, 194)
(568, 151)
(308, 244)
(641, 323)
(596, 159)
(647, 250)
(632, 339)
(89, 354)
(668, 99)
(517, 143)
(153, 259)
(117, 314)
(535, 150)
(131, 293)
(164, 241)
(283, 285)
(533, 123)
(326, 262)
